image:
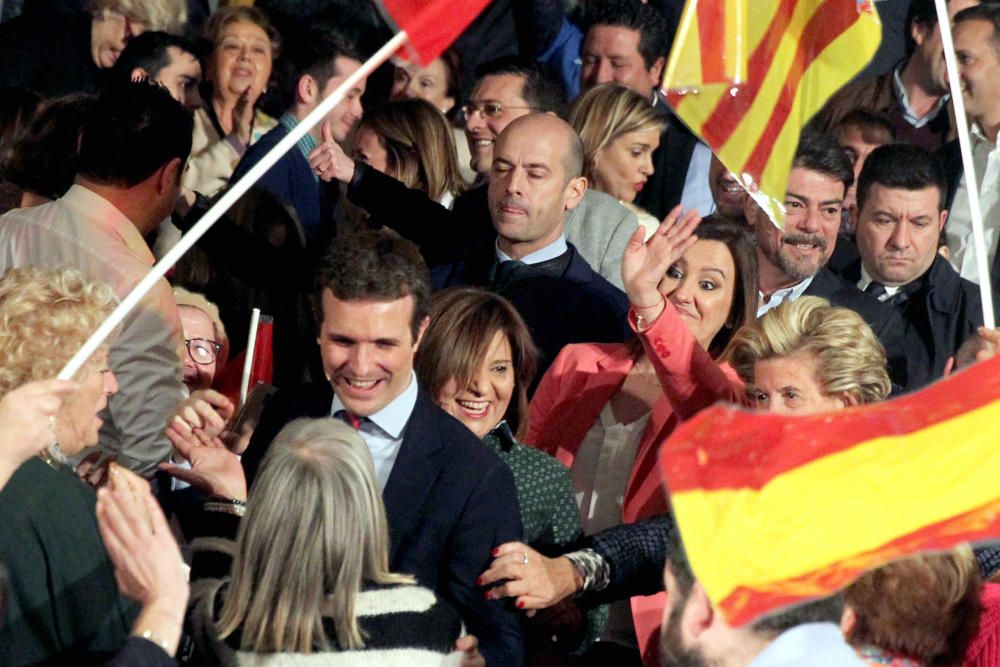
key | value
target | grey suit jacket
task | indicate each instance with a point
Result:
(600, 228)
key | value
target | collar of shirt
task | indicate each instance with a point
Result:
(782, 295)
(307, 143)
(814, 644)
(551, 251)
(867, 280)
(904, 101)
(95, 207)
(391, 419)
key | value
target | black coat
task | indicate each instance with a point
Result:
(943, 311)
(884, 321)
(578, 306)
(449, 501)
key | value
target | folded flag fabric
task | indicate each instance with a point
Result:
(431, 25)
(746, 77)
(778, 510)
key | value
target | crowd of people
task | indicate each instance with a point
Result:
(498, 284)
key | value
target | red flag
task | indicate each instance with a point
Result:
(431, 25)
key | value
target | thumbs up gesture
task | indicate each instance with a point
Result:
(329, 161)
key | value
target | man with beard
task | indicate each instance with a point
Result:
(792, 261)
(695, 634)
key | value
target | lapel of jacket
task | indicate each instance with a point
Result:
(414, 472)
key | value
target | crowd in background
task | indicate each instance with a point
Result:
(498, 284)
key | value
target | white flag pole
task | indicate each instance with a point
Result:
(231, 196)
(971, 184)
(250, 354)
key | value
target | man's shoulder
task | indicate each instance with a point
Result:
(581, 272)
(840, 292)
(461, 446)
(256, 152)
(949, 290)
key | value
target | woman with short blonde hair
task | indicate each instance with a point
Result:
(849, 361)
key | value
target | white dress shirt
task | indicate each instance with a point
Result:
(551, 251)
(867, 280)
(782, 295)
(85, 231)
(958, 230)
(383, 431)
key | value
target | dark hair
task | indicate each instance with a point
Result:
(463, 322)
(375, 265)
(875, 127)
(132, 130)
(309, 52)
(150, 52)
(223, 16)
(542, 89)
(819, 152)
(986, 11)
(824, 610)
(17, 108)
(453, 73)
(44, 160)
(656, 35)
(904, 167)
(745, 291)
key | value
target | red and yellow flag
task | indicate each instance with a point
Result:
(746, 77)
(777, 510)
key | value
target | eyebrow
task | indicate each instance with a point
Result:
(805, 200)
(715, 270)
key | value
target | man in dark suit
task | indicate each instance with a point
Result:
(792, 261)
(901, 214)
(449, 500)
(534, 182)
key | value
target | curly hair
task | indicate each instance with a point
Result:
(45, 317)
(851, 361)
(165, 15)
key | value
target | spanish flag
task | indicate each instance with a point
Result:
(778, 510)
(747, 76)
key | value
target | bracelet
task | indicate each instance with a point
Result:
(226, 506)
(655, 305)
(162, 643)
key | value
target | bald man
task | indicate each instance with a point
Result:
(535, 181)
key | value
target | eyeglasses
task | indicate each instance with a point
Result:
(486, 110)
(202, 350)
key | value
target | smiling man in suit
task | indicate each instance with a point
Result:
(449, 500)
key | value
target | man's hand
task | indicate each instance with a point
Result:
(329, 161)
(469, 646)
(645, 264)
(536, 581)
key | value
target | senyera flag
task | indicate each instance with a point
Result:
(777, 510)
(432, 25)
(747, 75)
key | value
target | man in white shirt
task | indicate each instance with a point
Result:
(977, 47)
(133, 149)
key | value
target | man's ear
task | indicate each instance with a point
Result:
(656, 71)
(750, 210)
(847, 622)
(575, 190)
(699, 615)
(306, 90)
(138, 74)
(169, 175)
(421, 331)
(917, 32)
(944, 219)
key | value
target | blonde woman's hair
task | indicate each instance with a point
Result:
(315, 529)
(420, 146)
(45, 317)
(165, 15)
(851, 361)
(198, 301)
(606, 112)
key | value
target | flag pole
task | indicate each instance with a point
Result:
(971, 184)
(231, 196)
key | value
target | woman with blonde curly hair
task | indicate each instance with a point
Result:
(69, 53)
(808, 356)
(620, 130)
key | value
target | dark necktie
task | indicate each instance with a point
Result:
(876, 290)
(504, 273)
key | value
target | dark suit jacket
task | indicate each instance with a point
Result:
(951, 158)
(449, 500)
(577, 307)
(939, 316)
(884, 321)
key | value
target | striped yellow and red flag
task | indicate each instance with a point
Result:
(746, 77)
(778, 510)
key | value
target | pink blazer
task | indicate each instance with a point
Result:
(582, 380)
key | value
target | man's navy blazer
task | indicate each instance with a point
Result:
(449, 501)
